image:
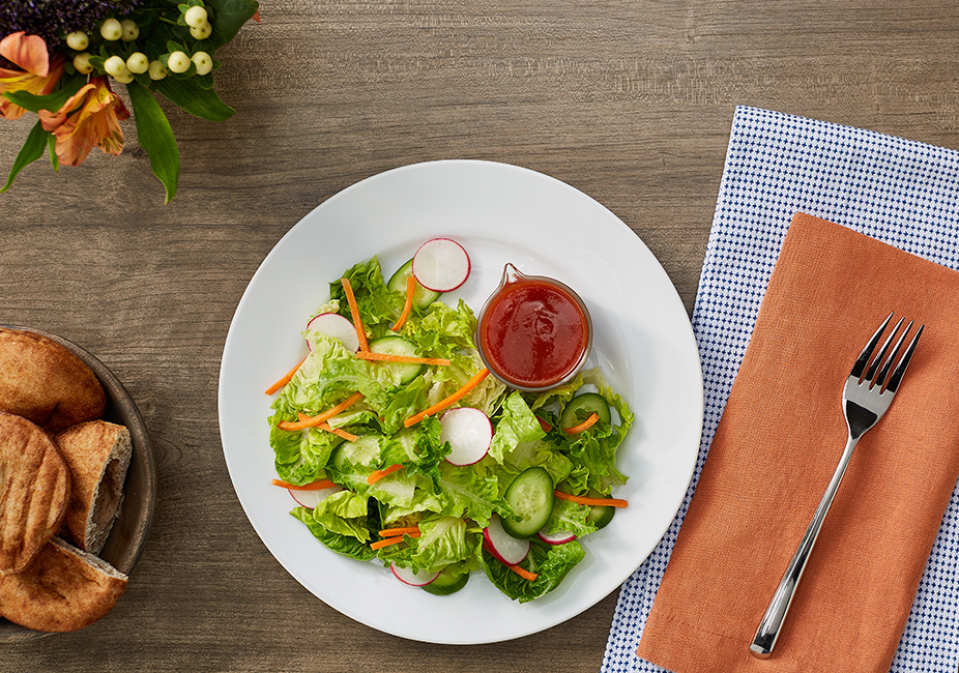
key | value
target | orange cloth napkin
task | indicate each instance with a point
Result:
(775, 450)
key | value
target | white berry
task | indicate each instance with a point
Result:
(178, 62)
(131, 30)
(195, 17)
(204, 63)
(115, 66)
(157, 70)
(111, 30)
(78, 40)
(82, 63)
(201, 32)
(138, 63)
(124, 78)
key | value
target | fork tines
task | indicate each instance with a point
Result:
(881, 362)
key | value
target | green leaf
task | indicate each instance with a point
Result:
(230, 17)
(199, 102)
(156, 137)
(51, 102)
(31, 151)
(52, 145)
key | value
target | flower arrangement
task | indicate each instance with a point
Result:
(61, 59)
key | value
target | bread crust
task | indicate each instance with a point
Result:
(98, 455)
(46, 383)
(64, 589)
(34, 491)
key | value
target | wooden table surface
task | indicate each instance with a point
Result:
(630, 101)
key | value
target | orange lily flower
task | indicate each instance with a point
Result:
(39, 76)
(90, 118)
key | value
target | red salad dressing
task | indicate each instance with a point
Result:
(534, 332)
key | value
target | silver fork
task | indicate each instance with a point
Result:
(866, 397)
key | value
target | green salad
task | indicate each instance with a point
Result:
(518, 514)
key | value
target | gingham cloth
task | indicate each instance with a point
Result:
(898, 191)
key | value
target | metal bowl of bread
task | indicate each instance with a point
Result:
(77, 486)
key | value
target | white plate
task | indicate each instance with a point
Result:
(500, 213)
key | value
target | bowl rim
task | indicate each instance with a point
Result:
(122, 403)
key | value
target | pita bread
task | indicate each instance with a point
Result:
(34, 491)
(98, 455)
(46, 383)
(64, 589)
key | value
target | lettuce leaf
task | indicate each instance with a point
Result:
(345, 513)
(551, 563)
(341, 544)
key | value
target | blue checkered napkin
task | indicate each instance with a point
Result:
(897, 191)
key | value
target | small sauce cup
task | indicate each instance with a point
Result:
(534, 332)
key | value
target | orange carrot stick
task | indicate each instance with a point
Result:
(543, 423)
(452, 399)
(379, 544)
(339, 432)
(411, 359)
(312, 486)
(406, 530)
(379, 474)
(355, 312)
(523, 572)
(407, 305)
(311, 421)
(583, 500)
(286, 379)
(585, 425)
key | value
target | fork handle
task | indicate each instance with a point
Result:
(768, 631)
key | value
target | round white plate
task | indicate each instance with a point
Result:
(500, 213)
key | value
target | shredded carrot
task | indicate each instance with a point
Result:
(543, 423)
(583, 500)
(391, 540)
(410, 359)
(312, 486)
(339, 432)
(379, 474)
(452, 399)
(406, 530)
(407, 305)
(523, 572)
(585, 425)
(311, 421)
(355, 312)
(286, 378)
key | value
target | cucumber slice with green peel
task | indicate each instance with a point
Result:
(449, 581)
(530, 496)
(421, 296)
(582, 407)
(396, 345)
(600, 516)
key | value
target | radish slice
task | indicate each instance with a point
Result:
(506, 548)
(469, 432)
(310, 499)
(441, 265)
(559, 537)
(416, 578)
(336, 326)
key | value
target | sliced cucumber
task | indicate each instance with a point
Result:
(582, 407)
(421, 296)
(450, 580)
(600, 516)
(395, 345)
(530, 496)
